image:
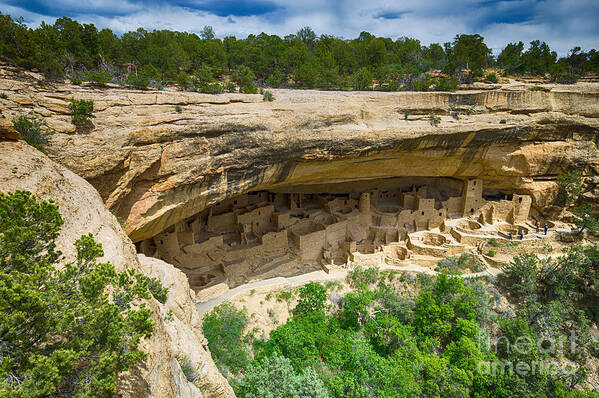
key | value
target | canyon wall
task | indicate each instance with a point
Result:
(157, 157)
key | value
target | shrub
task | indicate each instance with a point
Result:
(71, 328)
(277, 79)
(230, 87)
(493, 242)
(407, 113)
(363, 277)
(3, 96)
(434, 120)
(178, 108)
(82, 110)
(32, 131)
(249, 88)
(491, 253)
(211, 88)
(519, 277)
(76, 81)
(244, 76)
(183, 81)
(139, 81)
(267, 96)
(447, 84)
(224, 329)
(99, 77)
(274, 377)
(492, 77)
(158, 291)
(312, 297)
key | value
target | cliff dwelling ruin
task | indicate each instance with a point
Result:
(280, 233)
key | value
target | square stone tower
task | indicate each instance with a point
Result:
(472, 196)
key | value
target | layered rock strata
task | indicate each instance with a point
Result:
(155, 166)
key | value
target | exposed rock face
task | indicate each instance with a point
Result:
(83, 211)
(155, 166)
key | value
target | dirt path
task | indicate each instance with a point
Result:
(315, 276)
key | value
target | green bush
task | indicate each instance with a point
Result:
(74, 327)
(267, 96)
(224, 329)
(276, 80)
(244, 76)
(274, 377)
(139, 81)
(183, 81)
(76, 81)
(249, 88)
(447, 84)
(158, 291)
(178, 108)
(493, 242)
(312, 297)
(434, 120)
(210, 88)
(363, 277)
(491, 253)
(32, 131)
(3, 96)
(230, 87)
(99, 77)
(492, 78)
(520, 276)
(81, 109)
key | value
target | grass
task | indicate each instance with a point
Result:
(3, 96)
(434, 120)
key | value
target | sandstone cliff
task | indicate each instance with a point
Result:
(154, 166)
(175, 341)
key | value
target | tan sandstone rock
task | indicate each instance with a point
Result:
(154, 166)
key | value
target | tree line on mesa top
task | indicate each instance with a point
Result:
(144, 58)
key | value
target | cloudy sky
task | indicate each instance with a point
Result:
(561, 23)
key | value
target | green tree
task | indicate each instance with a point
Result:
(520, 275)
(539, 58)
(224, 329)
(312, 297)
(586, 219)
(274, 377)
(68, 331)
(510, 58)
(362, 79)
(570, 187)
(469, 51)
(207, 33)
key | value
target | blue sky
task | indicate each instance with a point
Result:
(562, 23)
